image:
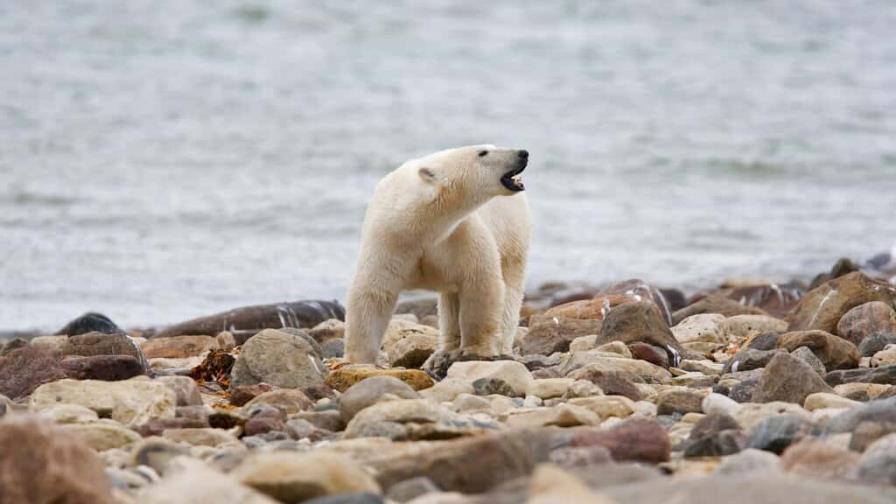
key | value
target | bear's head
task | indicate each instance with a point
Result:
(479, 171)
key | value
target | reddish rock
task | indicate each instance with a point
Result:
(102, 367)
(823, 307)
(834, 352)
(652, 354)
(97, 343)
(597, 308)
(774, 299)
(40, 464)
(637, 440)
(244, 393)
(26, 368)
(867, 319)
(554, 334)
(613, 382)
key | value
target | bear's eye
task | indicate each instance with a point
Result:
(482, 153)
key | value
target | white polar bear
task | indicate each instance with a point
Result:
(455, 222)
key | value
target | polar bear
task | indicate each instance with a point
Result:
(456, 222)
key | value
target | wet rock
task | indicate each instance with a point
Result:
(513, 374)
(717, 303)
(749, 358)
(410, 489)
(290, 401)
(278, 358)
(25, 369)
(90, 322)
(701, 327)
(102, 367)
(554, 334)
(834, 352)
(639, 322)
(876, 342)
(674, 401)
(788, 379)
(298, 314)
(716, 434)
(866, 319)
(417, 418)
(192, 481)
(131, 402)
(819, 459)
(776, 433)
(178, 346)
(639, 440)
(40, 464)
(343, 378)
(408, 344)
(885, 375)
(368, 392)
(96, 343)
(824, 306)
(878, 463)
(650, 353)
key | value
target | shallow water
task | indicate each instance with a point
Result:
(163, 159)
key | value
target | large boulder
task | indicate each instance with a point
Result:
(824, 306)
(278, 358)
(41, 464)
(834, 352)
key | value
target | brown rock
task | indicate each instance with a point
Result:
(639, 322)
(834, 352)
(613, 382)
(176, 347)
(823, 307)
(343, 378)
(867, 319)
(715, 303)
(244, 393)
(39, 464)
(102, 367)
(637, 440)
(789, 379)
(554, 334)
(650, 353)
(775, 299)
(597, 308)
(820, 460)
(674, 401)
(24, 369)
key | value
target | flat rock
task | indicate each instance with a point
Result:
(819, 459)
(131, 402)
(102, 367)
(581, 365)
(673, 401)
(202, 436)
(882, 375)
(718, 303)
(606, 406)
(416, 419)
(834, 352)
(343, 378)
(747, 326)
(278, 358)
(97, 343)
(824, 306)
(25, 369)
(561, 415)
(788, 379)
(101, 435)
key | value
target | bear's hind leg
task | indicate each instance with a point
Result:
(449, 325)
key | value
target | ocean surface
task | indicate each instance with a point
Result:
(165, 159)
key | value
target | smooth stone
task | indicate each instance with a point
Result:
(819, 459)
(861, 391)
(131, 402)
(102, 434)
(821, 400)
(824, 306)
(563, 415)
(582, 388)
(719, 304)
(343, 378)
(419, 419)
(184, 388)
(834, 352)
(776, 433)
(580, 366)
(750, 414)
(178, 346)
(551, 485)
(878, 411)
(719, 404)
(368, 392)
(408, 344)
(156, 453)
(748, 359)
(447, 390)
(327, 420)
(69, 413)
(788, 379)
(636, 439)
(701, 327)
(866, 319)
(804, 354)
(582, 456)
(679, 401)
(886, 357)
(102, 367)
(98, 343)
(23, 370)
(873, 343)
(745, 326)
(706, 367)
(242, 394)
(199, 436)
(410, 489)
(584, 343)
(714, 435)
(639, 322)
(750, 460)
(881, 375)
(607, 406)
(40, 463)
(550, 387)
(514, 374)
(279, 358)
(289, 401)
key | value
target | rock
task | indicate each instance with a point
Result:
(195, 483)
(879, 411)
(704, 366)
(296, 314)
(417, 419)
(493, 386)
(52, 344)
(265, 419)
(775, 299)
(876, 342)
(824, 306)
(40, 464)
(822, 400)
(788, 379)
(420, 307)
(101, 435)
(199, 436)
(650, 353)
(886, 357)
(585, 343)
(289, 401)
(24, 369)
(598, 307)
(866, 319)
(333, 349)
(606, 406)
(97, 343)
(550, 387)
(612, 382)
(184, 388)
(701, 327)
(861, 391)
(834, 352)
(90, 322)
(820, 460)
(326, 420)
(332, 329)
(156, 453)
(562, 415)
(804, 354)
(278, 358)
(749, 358)
(368, 392)
(410, 489)
(638, 440)
(178, 346)
(157, 426)
(554, 334)
(878, 463)
(359, 498)
(447, 390)
(678, 401)
(583, 456)
(640, 322)
(102, 367)
(885, 375)
(343, 378)
(408, 344)
(719, 404)
(714, 435)
(776, 433)
(715, 304)
(765, 341)
(131, 402)
(242, 394)
(581, 365)
(746, 326)
(552, 485)
(514, 374)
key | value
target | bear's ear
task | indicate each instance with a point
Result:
(428, 176)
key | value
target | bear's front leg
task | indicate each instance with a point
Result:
(481, 309)
(367, 314)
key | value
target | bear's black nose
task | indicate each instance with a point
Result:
(524, 154)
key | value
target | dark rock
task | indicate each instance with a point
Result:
(97, 343)
(40, 464)
(650, 353)
(615, 383)
(834, 352)
(367, 392)
(554, 334)
(843, 266)
(255, 318)
(90, 322)
(640, 322)
(716, 434)
(23, 370)
(157, 426)
(824, 306)
(674, 298)
(638, 440)
(789, 379)
(362, 498)
(876, 342)
(749, 358)
(717, 303)
(102, 367)
(775, 433)
(765, 341)
(884, 374)
(678, 401)
(410, 489)
(489, 386)
(242, 394)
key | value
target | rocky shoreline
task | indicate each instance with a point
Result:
(749, 392)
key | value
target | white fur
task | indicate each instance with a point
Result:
(444, 222)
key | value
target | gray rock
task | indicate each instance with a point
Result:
(880, 411)
(410, 489)
(333, 348)
(279, 358)
(876, 342)
(489, 386)
(749, 358)
(765, 341)
(715, 434)
(804, 354)
(362, 498)
(369, 391)
(750, 460)
(878, 463)
(787, 378)
(776, 433)
(884, 374)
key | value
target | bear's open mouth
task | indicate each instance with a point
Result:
(512, 180)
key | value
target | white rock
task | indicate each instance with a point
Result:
(583, 343)
(196, 483)
(606, 406)
(513, 373)
(821, 400)
(132, 402)
(548, 388)
(562, 415)
(701, 327)
(718, 403)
